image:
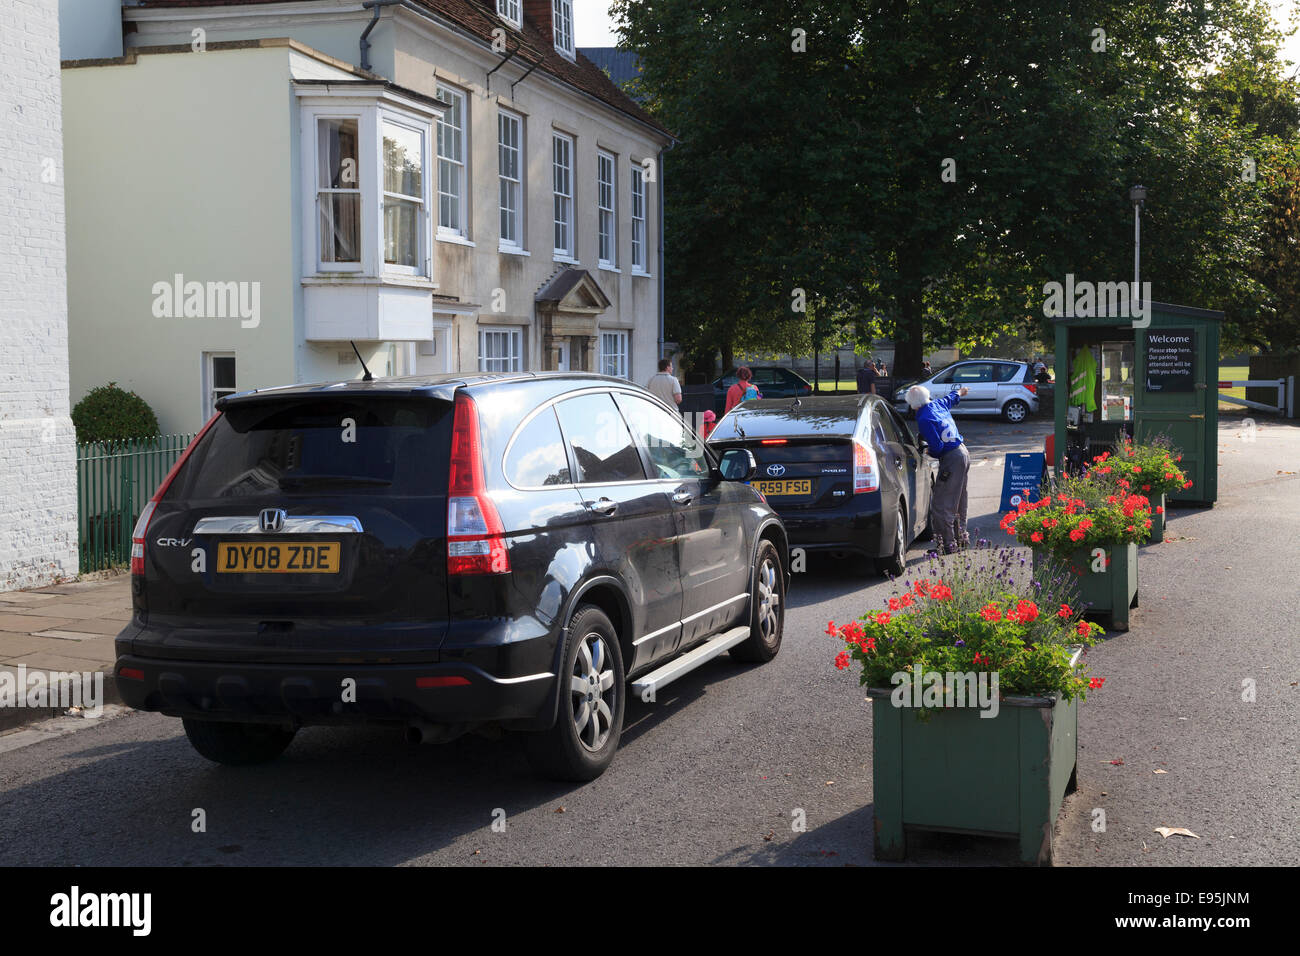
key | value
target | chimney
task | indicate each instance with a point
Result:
(538, 13)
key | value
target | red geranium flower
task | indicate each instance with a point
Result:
(1064, 611)
(882, 617)
(940, 592)
(1076, 535)
(1036, 537)
(1083, 628)
(832, 630)
(841, 660)
(894, 604)
(1096, 682)
(991, 612)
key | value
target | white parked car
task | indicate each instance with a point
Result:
(996, 387)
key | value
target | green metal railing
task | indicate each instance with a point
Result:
(114, 482)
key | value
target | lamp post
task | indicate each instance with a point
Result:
(1138, 195)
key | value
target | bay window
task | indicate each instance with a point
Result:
(338, 191)
(403, 196)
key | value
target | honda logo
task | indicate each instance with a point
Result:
(271, 519)
(776, 471)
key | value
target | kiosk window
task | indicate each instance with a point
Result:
(1117, 376)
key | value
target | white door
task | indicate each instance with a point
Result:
(562, 357)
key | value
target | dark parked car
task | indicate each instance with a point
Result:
(772, 381)
(444, 553)
(844, 472)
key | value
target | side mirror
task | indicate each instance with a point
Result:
(738, 464)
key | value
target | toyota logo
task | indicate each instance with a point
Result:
(776, 471)
(271, 519)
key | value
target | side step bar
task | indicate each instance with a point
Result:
(647, 686)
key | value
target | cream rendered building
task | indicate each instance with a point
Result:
(449, 184)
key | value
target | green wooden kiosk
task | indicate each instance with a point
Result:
(1113, 379)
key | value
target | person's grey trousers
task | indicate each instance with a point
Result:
(948, 505)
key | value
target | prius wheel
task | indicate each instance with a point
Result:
(236, 744)
(1015, 411)
(767, 609)
(895, 563)
(585, 736)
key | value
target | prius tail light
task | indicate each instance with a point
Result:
(866, 471)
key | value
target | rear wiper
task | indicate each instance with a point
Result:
(297, 481)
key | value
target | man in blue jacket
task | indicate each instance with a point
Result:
(948, 503)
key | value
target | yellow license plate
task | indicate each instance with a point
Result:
(278, 557)
(790, 486)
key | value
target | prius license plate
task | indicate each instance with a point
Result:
(789, 486)
(278, 557)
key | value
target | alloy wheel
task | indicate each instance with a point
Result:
(592, 690)
(769, 601)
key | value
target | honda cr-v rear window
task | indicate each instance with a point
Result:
(366, 446)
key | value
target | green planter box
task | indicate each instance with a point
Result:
(1110, 593)
(1158, 520)
(957, 772)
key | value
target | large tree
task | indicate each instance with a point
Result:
(932, 165)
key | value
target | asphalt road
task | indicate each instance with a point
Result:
(727, 763)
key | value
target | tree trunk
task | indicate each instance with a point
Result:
(728, 357)
(908, 337)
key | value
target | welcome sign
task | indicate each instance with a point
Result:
(1171, 360)
(1022, 473)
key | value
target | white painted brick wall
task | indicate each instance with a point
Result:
(38, 479)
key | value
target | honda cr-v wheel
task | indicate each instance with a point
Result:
(590, 720)
(766, 608)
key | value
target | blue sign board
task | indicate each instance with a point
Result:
(1021, 473)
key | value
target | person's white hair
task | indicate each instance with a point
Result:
(918, 396)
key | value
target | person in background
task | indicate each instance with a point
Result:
(743, 390)
(1040, 371)
(926, 371)
(948, 503)
(867, 376)
(710, 422)
(881, 369)
(664, 385)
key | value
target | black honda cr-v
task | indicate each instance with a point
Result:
(444, 553)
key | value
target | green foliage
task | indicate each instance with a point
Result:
(109, 413)
(822, 170)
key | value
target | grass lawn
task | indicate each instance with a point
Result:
(1231, 373)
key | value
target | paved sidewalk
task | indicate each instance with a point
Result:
(63, 628)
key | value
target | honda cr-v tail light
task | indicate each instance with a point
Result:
(476, 541)
(140, 534)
